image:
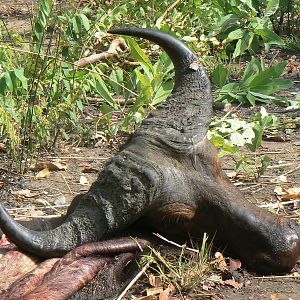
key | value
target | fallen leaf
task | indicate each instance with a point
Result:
(233, 283)
(281, 178)
(165, 294)
(278, 190)
(50, 165)
(274, 297)
(2, 147)
(43, 174)
(60, 200)
(83, 180)
(24, 193)
(292, 193)
(221, 261)
(154, 291)
(4, 240)
(155, 281)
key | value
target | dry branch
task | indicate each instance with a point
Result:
(112, 51)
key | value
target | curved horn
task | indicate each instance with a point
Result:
(78, 228)
(183, 119)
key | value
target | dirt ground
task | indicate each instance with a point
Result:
(27, 196)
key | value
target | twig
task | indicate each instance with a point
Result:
(277, 204)
(291, 171)
(175, 244)
(30, 208)
(170, 8)
(278, 277)
(280, 165)
(64, 179)
(78, 157)
(37, 217)
(112, 51)
(134, 280)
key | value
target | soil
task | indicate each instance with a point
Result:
(27, 196)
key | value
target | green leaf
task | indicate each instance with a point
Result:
(220, 75)
(269, 36)
(234, 35)
(79, 105)
(85, 21)
(226, 22)
(20, 75)
(265, 162)
(102, 89)
(267, 75)
(139, 54)
(256, 142)
(272, 6)
(162, 93)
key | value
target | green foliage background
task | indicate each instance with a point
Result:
(43, 96)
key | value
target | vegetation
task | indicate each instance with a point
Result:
(44, 96)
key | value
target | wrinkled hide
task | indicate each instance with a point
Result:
(167, 177)
(24, 277)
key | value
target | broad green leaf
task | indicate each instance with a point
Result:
(20, 75)
(269, 36)
(79, 105)
(252, 99)
(220, 75)
(85, 21)
(234, 35)
(243, 44)
(102, 89)
(267, 75)
(272, 6)
(256, 142)
(9, 82)
(139, 54)
(217, 140)
(226, 22)
(162, 93)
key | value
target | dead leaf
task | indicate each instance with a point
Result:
(154, 291)
(221, 261)
(195, 65)
(234, 264)
(50, 165)
(292, 193)
(4, 240)
(90, 170)
(24, 193)
(43, 174)
(2, 147)
(233, 283)
(281, 178)
(274, 297)
(165, 294)
(278, 190)
(83, 180)
(60, 200)
(155, 281)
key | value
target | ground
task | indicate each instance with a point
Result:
(48, 189)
